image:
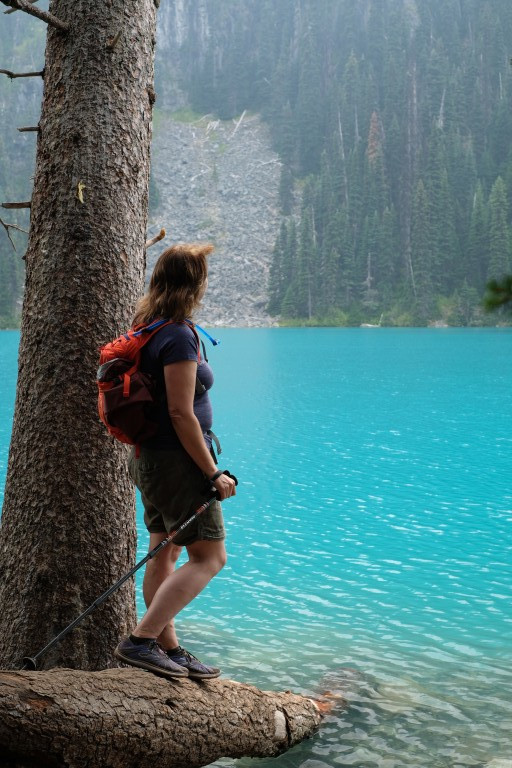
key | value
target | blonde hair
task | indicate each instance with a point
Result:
(176, 285)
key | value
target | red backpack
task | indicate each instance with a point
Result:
(127, 402)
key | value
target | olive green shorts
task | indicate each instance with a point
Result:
(172, 487)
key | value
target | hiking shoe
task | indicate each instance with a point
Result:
(148, 656)
(196, 669)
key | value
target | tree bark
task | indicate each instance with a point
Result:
(68, 524)
(132, 719)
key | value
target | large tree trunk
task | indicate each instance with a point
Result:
(68, 528)
(132, 719)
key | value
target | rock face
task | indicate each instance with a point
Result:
(218, 181)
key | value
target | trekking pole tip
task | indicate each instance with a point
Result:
(29, 663)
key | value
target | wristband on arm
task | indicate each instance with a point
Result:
(220, 472)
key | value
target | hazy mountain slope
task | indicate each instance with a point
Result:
(218, 181)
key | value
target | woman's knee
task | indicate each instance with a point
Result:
(217, 560)
(221, 559)
(210, 554)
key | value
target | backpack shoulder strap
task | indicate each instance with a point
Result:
(150, 330)
(193, 329)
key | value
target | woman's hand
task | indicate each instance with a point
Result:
(225, 485)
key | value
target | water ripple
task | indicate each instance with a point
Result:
(369, 543)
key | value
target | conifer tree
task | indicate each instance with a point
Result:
(286, 190)
(377, 195)
(277, 285)
(499, 233)
(467, 301)
(448, 253)
(421, 253)
(290, 253)
(289, 272)
(370, 246)
(310, 115)
(347, 271)
(349, 106)
(328, 290)
(387, 264)
(306, 266)
(478, 244)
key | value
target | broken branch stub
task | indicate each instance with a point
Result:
(26, 204)
(155, 239)
(13, 75)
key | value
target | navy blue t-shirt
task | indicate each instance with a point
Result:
(172, 344)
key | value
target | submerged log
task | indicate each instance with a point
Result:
(129, 718)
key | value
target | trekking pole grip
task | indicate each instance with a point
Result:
(224, 472)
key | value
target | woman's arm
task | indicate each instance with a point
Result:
(180, 384)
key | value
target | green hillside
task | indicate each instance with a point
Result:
(393, 122)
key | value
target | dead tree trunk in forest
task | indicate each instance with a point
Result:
(131, 719)
(68, 527)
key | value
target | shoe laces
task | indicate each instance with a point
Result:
(188, 656)
(194, 661)
(154, 646)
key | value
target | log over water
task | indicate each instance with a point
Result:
(126, 718)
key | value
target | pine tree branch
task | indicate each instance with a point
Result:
(155, 239)
(12, 75)
(7, 227)
(13, 10)
(28, 128)
(49, 18)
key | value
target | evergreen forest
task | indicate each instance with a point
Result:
(21, 50)
(393, 122)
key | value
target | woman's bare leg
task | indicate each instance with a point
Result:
(206, 558)
(157, 570)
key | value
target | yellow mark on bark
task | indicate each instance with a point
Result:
(80, 191)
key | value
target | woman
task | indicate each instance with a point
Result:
(172, 470)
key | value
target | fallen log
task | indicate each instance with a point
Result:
(129, 718)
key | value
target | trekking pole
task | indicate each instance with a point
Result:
(30, 662)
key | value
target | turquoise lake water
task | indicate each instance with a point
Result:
(370, 540)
